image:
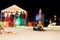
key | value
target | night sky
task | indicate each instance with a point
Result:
(49, 8)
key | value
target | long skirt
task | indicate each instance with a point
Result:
(18, 21)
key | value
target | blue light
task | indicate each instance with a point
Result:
(37, 18)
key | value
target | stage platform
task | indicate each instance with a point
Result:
(31, 28)
(27, 33)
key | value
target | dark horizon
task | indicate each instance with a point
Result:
(49, 8)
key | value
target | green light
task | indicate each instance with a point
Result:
(18, 21)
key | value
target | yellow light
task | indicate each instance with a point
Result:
(54, 16)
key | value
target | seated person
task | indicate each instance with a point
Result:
(39, 26)
(35, 25)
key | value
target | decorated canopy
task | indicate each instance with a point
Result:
(13, 8)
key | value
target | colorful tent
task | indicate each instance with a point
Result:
(14, 9)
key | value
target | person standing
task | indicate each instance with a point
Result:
(55, 19)
(7, 19)
(3, 17)
(12, 18)
(20, 16)
(16, 15)
(37, 18)
(50, 21)
(35, 22)
(24, 16)
(18, 19)
(14, 22)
